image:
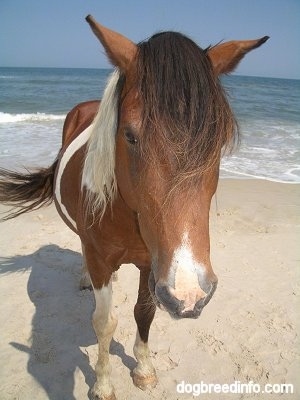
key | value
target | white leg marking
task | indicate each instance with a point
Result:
(70, 151)
(142, 355)
(144, 375)
(186, 270)
(104, 324)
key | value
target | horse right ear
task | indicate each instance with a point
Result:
(120, 50)
(225, 57)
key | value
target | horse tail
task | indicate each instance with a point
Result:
(26, 191)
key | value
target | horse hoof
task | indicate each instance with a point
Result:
(85, 283)
(145, 382)
(85, 287)
(111, 397)
(100, 392)
(96, 396)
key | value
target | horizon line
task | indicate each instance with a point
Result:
(111, 68)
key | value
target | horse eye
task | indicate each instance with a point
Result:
(131, 138)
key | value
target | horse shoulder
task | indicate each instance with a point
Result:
(80, 117)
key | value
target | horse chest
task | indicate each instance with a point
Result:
(117, 237)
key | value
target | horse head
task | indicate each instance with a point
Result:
(173, 122)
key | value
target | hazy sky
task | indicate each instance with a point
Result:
(53, 33)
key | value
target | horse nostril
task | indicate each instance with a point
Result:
(207, 283)
(202, 302)
(170, 302)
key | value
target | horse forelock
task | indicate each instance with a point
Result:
(185, 110)
(98, 176)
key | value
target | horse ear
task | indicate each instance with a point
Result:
(120, 50)
(226, 56)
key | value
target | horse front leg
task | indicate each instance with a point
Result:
(85, 280)
(104, 323)
(144, 375)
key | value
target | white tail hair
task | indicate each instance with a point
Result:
(98, 176)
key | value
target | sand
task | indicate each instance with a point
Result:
(249, 330)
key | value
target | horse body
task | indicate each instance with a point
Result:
(135, 177)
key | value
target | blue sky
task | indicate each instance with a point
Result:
(53, 33)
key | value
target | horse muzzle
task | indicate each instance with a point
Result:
(164, 298)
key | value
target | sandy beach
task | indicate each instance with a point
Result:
(248, 332)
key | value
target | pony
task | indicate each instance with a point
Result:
(134, 179)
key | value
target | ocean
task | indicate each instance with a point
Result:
(34, 103)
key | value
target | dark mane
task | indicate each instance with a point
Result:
(184, 105)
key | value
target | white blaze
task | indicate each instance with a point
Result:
(186, 271)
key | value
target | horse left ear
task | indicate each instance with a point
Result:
(120, 50)
(226, 56)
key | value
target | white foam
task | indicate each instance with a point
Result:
(9, 118)
(231, 174)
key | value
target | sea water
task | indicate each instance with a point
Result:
(268, 113)
(34, 103)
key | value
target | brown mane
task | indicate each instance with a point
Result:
(184, 105)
